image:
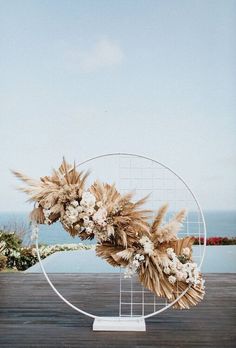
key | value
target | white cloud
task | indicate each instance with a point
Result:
(104, 53)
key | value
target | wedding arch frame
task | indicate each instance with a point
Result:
(129, 323)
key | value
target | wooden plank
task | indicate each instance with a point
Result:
(31, 315)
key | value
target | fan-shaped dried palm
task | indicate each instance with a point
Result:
(152, 277)
(125, 254)
(127, 218)
(108, 252)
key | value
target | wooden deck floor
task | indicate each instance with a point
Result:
(31, 315)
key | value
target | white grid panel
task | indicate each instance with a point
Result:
(147, 177)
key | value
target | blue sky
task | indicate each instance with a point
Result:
(81, 78)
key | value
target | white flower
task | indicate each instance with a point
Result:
(46, 212)
(79, 209)
(144, 239)
(131, 268)
(166, 270)
(86, 219)
(139, 257)
(170, 252)
(186, 251)
(34, 231)
(82, 215)
(173, 267)
(172, 279)
(72, 216)
(128, 273)
(90, 211)
(34, 252)
(136, 263)
(71, 210)
(188, 266)
(100, 216)
(15, 253)
(148, 248)
(74, 203)
(88, 230)
(147, 245)
(179, 275)
(88, 200)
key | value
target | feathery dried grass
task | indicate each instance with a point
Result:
(53, 192)
(129, 223)
(167, 232)
(159, 218)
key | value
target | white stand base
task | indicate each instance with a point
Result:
(119, 324)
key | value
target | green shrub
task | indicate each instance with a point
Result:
(11, 239)
(27, 258)
(20, 257)
(3, 262)
(12, 244)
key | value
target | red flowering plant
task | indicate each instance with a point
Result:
(216, 241)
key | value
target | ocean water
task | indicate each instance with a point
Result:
(218, 223)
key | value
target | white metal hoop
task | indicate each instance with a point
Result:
(202, 256)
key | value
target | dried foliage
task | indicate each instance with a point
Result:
(153, 278)
(53, 192)
(123, 230)
(127, 219)
(166, 232)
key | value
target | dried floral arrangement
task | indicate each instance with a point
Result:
(124, 235)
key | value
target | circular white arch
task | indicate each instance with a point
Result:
(202, 256)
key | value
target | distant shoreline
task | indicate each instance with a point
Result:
(219, 223)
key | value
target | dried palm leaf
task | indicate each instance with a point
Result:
(150, 278)
(127, 218)
(191, 297)
(162, 286)
(126, 254)
(108, 252)
(180, 244)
